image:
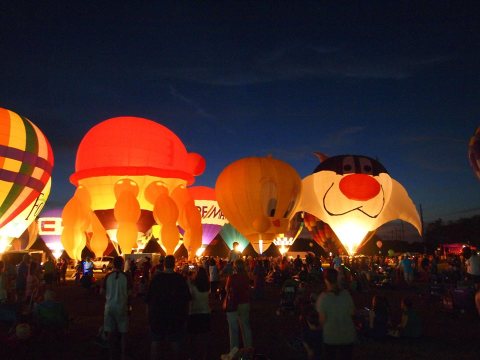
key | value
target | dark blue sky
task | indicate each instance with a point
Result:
(394, 80)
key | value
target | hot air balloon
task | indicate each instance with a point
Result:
(355, 195)
(130, 165)
(50, 230)
(26, 163)
(231, 235)
(323, 234)
(212, 217)
(258, 195)
(285, 240)
(474, 152)
(110, 226)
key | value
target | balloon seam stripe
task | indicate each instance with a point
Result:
(25, 157)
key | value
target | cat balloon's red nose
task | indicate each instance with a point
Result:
(359, 187)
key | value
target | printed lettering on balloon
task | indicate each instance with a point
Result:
(210, 212)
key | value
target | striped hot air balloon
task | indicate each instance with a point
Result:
(26, 162)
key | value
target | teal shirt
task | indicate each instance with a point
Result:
(338, 328)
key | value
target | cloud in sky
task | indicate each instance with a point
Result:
(302, 62)
(199, 110)
(341, 138)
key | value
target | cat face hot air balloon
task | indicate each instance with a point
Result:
(258, 196)
(355, 195)
(131, 166)
(26, 163)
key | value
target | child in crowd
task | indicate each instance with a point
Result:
(410, 325)
(379, 317)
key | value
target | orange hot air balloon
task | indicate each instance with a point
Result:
(258, 195)
(125, 153)
(26, 163)
(355, 195)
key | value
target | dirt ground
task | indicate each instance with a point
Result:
(449, 334)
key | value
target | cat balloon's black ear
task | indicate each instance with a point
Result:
(320, 156)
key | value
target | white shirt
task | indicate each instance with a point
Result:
(116, 290)
(199, 303)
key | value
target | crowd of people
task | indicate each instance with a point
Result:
(180, 296)
(28, 303)
(330, 322)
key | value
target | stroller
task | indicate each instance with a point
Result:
(287, 297)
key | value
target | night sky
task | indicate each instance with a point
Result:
(395, 80)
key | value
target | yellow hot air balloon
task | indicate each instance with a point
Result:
(258, 195)
(26, 163)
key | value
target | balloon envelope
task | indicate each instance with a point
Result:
(323, 234)
(354, 194)
(258, 196)
(212, 217)
(26, 163)
(231, 235)
(50, 229)
(138, 156)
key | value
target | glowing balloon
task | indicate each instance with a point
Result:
(76, 220)
(165, 212)
(26, 162)
(132, 165)
(189, 220)
(230, 235)
(258, 196)
(323, 234)
(109, 224)
(355, 195)
(27, 239)
(127, 212)
(212, 217)
(379, 244)
(25, 220)
(50, 230)
(474, 152)
(99, 240)
(285, 240)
